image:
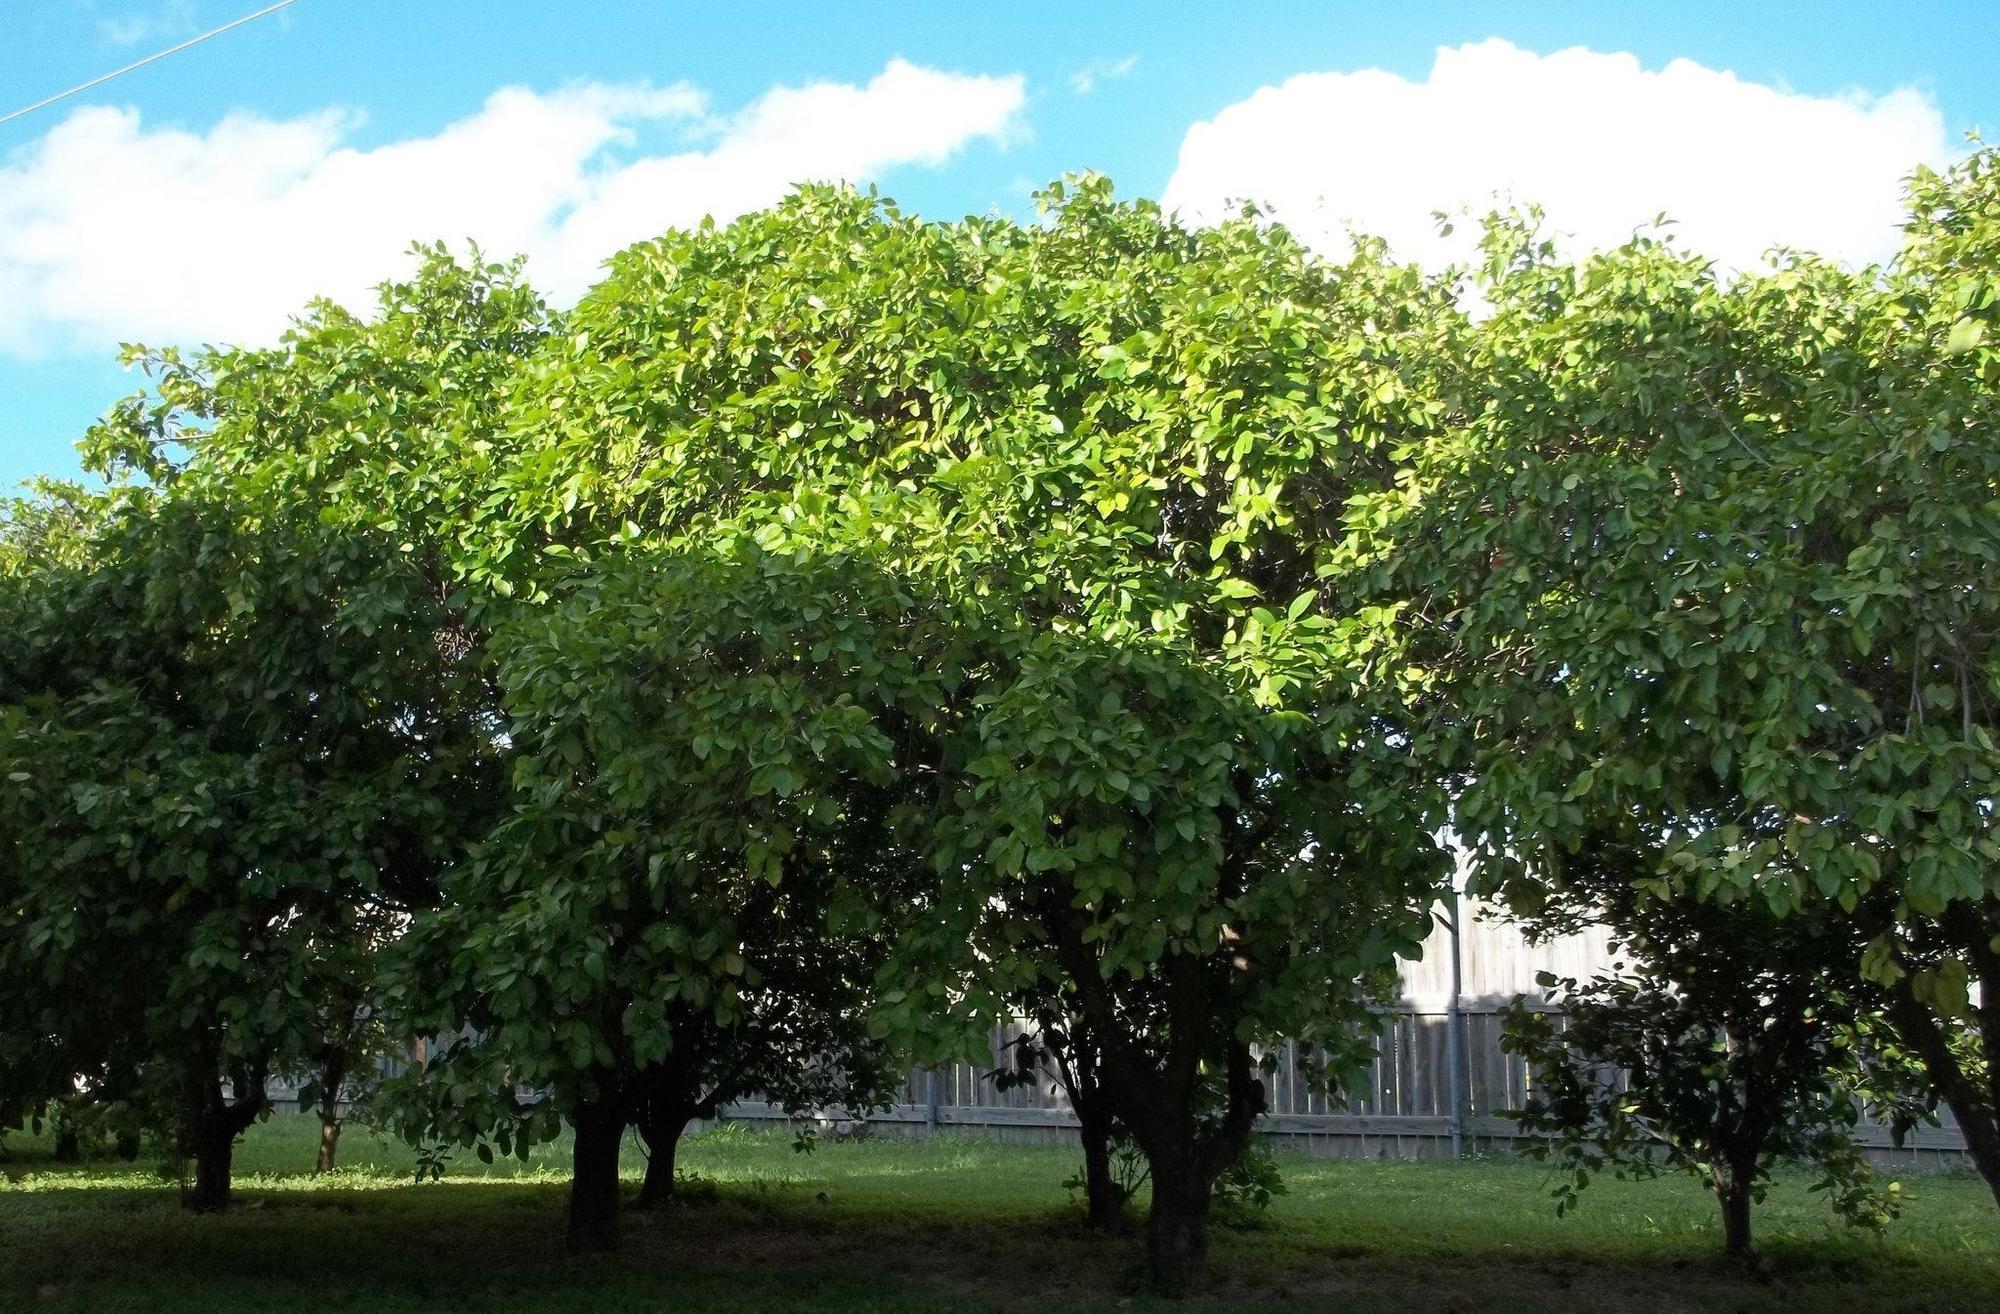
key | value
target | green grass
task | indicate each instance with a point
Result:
(946, 1226)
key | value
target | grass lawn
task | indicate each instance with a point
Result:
(949, 1225)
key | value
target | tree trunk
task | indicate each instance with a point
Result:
(1157, 1100)
(1104, 1198)
(1979, 1126)
(1185, 1161)
(661, 1129)
(333, 1075)
(214, 1148)
(593, 1187)
(69, 1146)
(329, 1142)
(1079, 1070)
(212, 1126)
(1974, 1104)
(1732, 1192)
(1177, 1227)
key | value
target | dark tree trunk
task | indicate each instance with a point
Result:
(661, 1129)
(1185, 1162)
(329, 1142)
(69, 1146)
(1177, 1226)
(1104, 1198)
(1982, 1145)
(670, 1098)
(1080, 1070)
(1158, 1099)
(1732, 1193)
(212, 1126)
(333, 1075)
(214, 1148)
(593, 1187)
(1974, 1103)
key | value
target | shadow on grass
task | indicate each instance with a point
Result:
(885, 1229)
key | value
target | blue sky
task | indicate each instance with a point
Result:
(204, 197)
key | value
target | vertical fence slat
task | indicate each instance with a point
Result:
(1399, 1100)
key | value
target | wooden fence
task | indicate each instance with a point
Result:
(1402, 1107)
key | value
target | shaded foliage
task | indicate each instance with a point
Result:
(1706, 554)
(1724, 1040)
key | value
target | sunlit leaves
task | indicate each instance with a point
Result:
(242, 689)
(1710, 554)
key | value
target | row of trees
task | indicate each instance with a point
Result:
(839, 633)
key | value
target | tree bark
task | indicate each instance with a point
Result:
(1104, 1198)
(1185, 1162)
(1732, 1193)
(214, 1148)
(333, 1075)
(1976, 1110)
(1079, 1070)
(1158, 1101)
(69, 1145)
(213, 1124)
(593, 1188)
(329, 1142)
(1177, 1226)
(661, 1130)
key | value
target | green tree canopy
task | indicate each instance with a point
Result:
(242, 719)
(1711, 554)
(693, 890)
(1722, 1039)
(1142, 736)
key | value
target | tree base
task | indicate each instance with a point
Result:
(593, 1187)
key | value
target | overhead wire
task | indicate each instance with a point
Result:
(100, 80)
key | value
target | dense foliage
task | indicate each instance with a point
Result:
(689, 900)
(241, 728)
(1723, 1040)
(1710, 555)
(1057, 507)
(841, 633)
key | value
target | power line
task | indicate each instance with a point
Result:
(141, 63)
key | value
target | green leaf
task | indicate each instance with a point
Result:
(1966, 334)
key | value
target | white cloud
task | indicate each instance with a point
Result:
(1601, 142)
(175, 18)
(112, 229)
(1085, 80)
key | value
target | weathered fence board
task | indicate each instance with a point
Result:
(1401, 1107)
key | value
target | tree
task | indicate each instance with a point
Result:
(38, 1069)
(354, 1033)
(1062, 1045)
(181, 901)
(1194, 866)
(689, 899)
(238, 716)
(1726, 1039)
(1154, 746)
(1709, 552)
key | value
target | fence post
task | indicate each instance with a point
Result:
(1454, 1066)
(930, 1102)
